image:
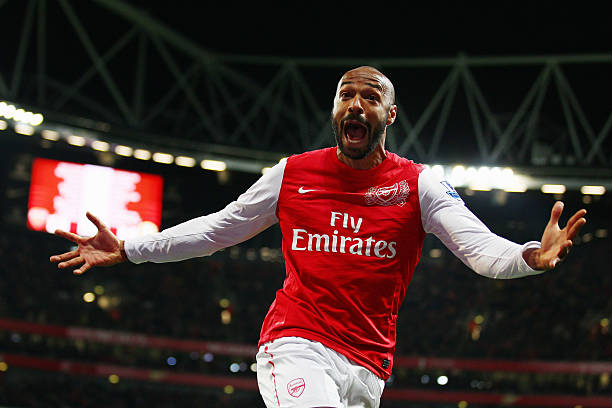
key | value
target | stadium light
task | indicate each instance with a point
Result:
(214, 165)
(100, 146)
(438, 170)
(37, 119)
(51, 135)
(480, 186)
(76, 140)
(185, 161)
(122, 150)
(24, 129)
(164, 158)
(593, 190)
(6, 110)
(2, 125)
(457, 176)
(142, 154)
(20, 115)
(553, 189)
(515, 186)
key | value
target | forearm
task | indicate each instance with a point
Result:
(252, 212)
(445, 215)
(198, 237)
(484, 252)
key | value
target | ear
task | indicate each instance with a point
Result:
(392, 115)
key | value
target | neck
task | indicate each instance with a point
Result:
(371, 160)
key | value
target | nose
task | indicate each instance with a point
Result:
(355, 106)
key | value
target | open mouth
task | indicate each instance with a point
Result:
(355, 131)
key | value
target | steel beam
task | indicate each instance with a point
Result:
(42, 52)
(23, 47)
(100, 66)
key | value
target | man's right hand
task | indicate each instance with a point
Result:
(103, 249)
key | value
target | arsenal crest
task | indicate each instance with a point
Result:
(295, 388)
(392, 195)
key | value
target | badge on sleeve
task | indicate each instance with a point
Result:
(450, 190)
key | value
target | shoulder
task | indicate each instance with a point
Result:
(312, 154)
(311, 159)
(436, 187)
(405, 164)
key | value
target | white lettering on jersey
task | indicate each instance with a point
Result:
(329, 243)
(356, 225)
(296, 236)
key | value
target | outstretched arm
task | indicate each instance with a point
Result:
(251, 213)
(103, 249)
(556, 242)
(444, 214)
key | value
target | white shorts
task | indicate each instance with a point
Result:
(293, 372)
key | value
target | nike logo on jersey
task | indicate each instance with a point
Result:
(302, 190)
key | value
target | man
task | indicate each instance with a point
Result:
(353, 219)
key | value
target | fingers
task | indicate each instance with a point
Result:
(69, 236)
(575, 228)
(579, 214)
(555, 213)
(99, 225)
(71, 263)
(553, 263)
(82, 269)
(72, 259)
(565, 248)
(65, 256)
(575, 223)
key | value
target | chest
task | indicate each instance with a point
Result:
(384, 209)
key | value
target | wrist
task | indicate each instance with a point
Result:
(122, 251)
(531, 257)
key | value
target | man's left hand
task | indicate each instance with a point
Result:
(556, 242)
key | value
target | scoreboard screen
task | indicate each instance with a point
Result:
(128, 202)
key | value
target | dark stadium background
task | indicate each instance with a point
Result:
(561, 316)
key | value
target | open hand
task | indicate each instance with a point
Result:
(556, 242)
(103, 249)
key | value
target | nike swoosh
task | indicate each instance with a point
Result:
(302, 190)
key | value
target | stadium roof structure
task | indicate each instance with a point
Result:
(117, 77)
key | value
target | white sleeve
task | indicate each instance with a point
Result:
(253, 212)
(444, 214)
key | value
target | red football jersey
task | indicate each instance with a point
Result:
(351, 241)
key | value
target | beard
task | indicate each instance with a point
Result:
(374, 135)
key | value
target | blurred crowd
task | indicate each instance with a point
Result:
(449, 311)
